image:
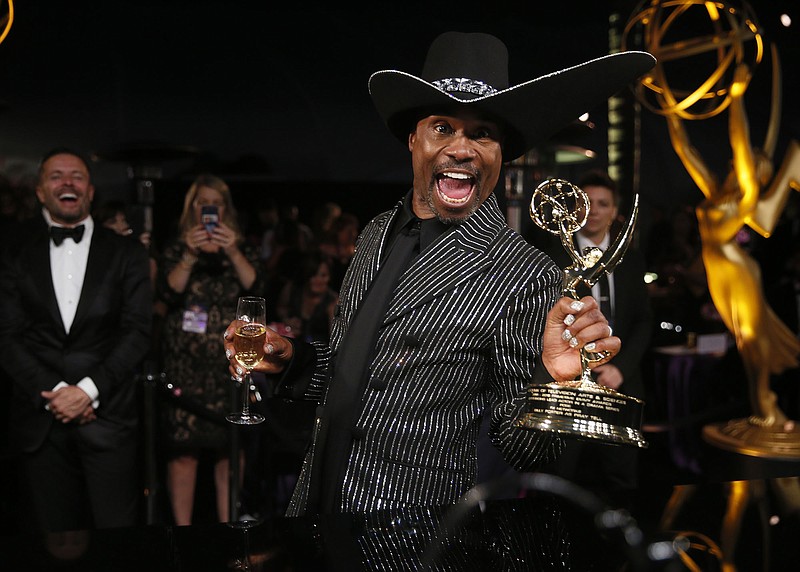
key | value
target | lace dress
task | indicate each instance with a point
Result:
(192, 353)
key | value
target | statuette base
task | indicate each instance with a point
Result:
(748, 437)
(584, 410)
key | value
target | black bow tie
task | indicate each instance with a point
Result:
(59, 233)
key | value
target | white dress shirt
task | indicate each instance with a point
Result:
(583, 242)
(67, 269)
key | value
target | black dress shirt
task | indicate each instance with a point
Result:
(408, 237)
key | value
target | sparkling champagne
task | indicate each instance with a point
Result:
(249, 344)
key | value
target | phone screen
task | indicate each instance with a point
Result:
(209, 217)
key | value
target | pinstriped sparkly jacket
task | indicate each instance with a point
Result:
(474, 304)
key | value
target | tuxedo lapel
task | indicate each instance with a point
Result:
(40, 272)
(98, 264)
(366, 261)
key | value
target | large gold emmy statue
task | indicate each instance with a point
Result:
(748, 195)
(581, 408)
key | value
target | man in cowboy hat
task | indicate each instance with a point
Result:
(444, 310)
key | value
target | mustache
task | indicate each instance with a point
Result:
(452, 165)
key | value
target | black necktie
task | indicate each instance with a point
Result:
(605, 297)
(59, 233)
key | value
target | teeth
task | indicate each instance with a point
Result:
(68, 196)
(448, 200)
(460, 177)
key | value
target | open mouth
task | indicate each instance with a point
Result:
(68, 198)
(455, 188)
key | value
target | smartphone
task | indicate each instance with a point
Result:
(209, 217)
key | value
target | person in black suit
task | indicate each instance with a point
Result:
(445, 312)
(610, 471)
(76, 303)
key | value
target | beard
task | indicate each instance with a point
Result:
(67, 216)
(70, 218)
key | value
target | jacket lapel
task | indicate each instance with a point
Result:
(41, 274)
(457, 256)
(97, 265)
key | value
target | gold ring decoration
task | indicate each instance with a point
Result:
(731, 37)
(6, 20)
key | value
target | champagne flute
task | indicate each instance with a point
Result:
(248, 342)
(243, 563)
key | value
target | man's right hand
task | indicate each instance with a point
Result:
(278, 352)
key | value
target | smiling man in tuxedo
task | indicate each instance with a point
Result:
(76, 304)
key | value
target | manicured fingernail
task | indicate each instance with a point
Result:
(590, 347)
(576, 305)
(270, 349)
(239, 370)
(569, 320)
(566, 335)
(228, 354)
(573, 343)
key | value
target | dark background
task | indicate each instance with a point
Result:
(274, 97)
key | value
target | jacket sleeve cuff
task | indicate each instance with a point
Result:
(540, 374)
(90, 389)
(295, 379)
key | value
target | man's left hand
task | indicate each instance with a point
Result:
(572, 325)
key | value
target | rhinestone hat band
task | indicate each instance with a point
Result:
(464, 85)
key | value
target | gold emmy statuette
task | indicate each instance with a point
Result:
(752, 193)
(581, 408)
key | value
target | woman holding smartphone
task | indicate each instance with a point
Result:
(203, 271)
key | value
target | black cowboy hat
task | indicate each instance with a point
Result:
(470, 71)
